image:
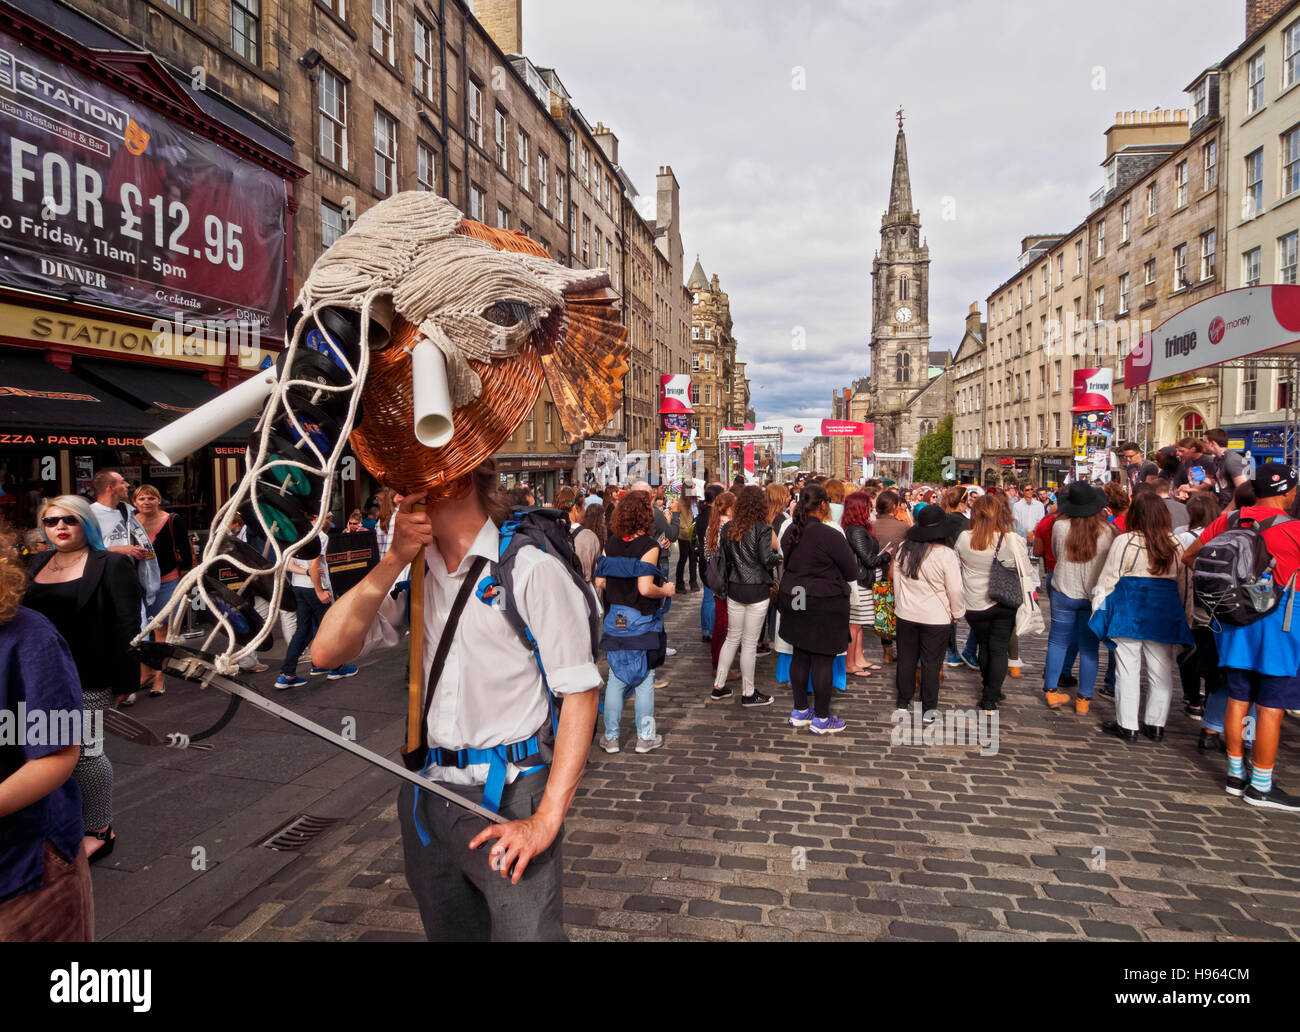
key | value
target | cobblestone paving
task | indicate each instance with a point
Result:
(741, 827)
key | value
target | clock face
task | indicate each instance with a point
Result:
(904, 314)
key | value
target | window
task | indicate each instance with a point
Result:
(381, 28)
(1152, 200)
(524, 154)
(586, 168)
(1286, 258)
(1291, 54)
(1042, 380)
(1056, 374)
(530, 425)
(1207, 255)
(186, 7)
(609, 194)
(1042, 290)
(708, 426)
(1149, 268)
(708, 333)
(1180, 267)
(543, 178)
(1209, 165)
(1180, 184)
(1255, 83)
(426, 164)
(1283, 393)
(1121, 422)
(1251, 267)
(1253, 202)
(1078, 315)
(559, 195)
(333, 118)
(586, 241)
(1125, 211)
(246, 29)
(475, 113)
(1201, 100)
(501, 138)
(1041, 433)
(708, 394)
(503, 218)
(385, 153)
(1291, 161)
(1123, 294)
(903, 367)
(902, 290)
(695, 356)
(1056, 429)
(1078, 257)
(1249, 387)
(1101, 238)
(1112, 174)
(331, 224)
(426, 61)
(695, 335)
(550, 422)
(708, 361)
(476, 202)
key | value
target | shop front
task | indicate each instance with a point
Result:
(1055, 470)
(545, 474)
(968, 471)
(144, 265)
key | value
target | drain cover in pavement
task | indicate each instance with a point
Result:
(297, 832)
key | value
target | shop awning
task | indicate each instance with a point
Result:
(40, 404)
(166, 394)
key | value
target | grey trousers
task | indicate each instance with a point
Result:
(461, 899)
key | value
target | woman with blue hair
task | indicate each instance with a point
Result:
(92, 596)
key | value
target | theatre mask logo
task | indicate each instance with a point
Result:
(135, 138)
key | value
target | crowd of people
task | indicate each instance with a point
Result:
(817, 574)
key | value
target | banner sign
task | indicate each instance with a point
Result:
(825, 428)
(1092, 390)
(675, 393)
(1233, 324)
(106, 201)
(350, 556)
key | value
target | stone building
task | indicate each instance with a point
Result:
(719, 392)
(967, 375)
(641, 386)
(1254, 91)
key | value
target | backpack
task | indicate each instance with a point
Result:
(1232, 575)
(547, 529)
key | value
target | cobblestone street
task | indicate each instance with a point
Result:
(741, 827)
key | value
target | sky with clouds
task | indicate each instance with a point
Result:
(782, 188)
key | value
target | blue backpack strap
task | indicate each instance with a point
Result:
(625, 567)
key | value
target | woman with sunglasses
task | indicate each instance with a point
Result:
(92, 596)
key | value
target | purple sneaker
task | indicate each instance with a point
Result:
(801, 717)
(829, 726)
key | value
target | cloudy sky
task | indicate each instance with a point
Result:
(783, 187)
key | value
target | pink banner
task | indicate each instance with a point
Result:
(844, 428)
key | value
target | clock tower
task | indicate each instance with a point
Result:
(900, 311)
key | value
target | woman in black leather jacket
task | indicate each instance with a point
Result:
(862, 609)
(749, 550)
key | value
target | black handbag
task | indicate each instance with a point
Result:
(1004, 582)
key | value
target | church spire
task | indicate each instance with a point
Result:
(900, 189)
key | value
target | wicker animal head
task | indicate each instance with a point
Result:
(505, 316)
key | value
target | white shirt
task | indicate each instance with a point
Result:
(1027, 514)
(491, 692)
(303, 580)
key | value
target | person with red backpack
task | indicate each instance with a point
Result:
(1260, 658)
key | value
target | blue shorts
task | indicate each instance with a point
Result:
(1261, 689)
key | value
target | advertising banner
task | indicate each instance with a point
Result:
(1092, 390)
(106, 201)
(350, 557)
(675, 394)
(1233, 324)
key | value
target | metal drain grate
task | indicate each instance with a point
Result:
(298, 832)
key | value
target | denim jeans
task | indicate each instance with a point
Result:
(706, 612)
(310, 611)
(644, 705)
(1070, 633)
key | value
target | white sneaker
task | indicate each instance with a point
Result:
(644, 745)
(610, 745)
(670, 652)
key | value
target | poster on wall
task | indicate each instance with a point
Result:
(106, 201)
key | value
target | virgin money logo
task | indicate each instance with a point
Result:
(798, 428)
(1217, 328)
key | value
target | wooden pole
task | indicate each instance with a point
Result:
(415, 732)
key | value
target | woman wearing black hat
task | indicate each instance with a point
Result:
(1081, 539)
(927, 602)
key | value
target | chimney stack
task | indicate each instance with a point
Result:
(504, 22)
(1260, 11)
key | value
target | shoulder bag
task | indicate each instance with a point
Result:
(1005, 586)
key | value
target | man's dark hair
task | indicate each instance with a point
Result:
(102, 482)
(1161, 484)
(1129, 446)
(1219, 437)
